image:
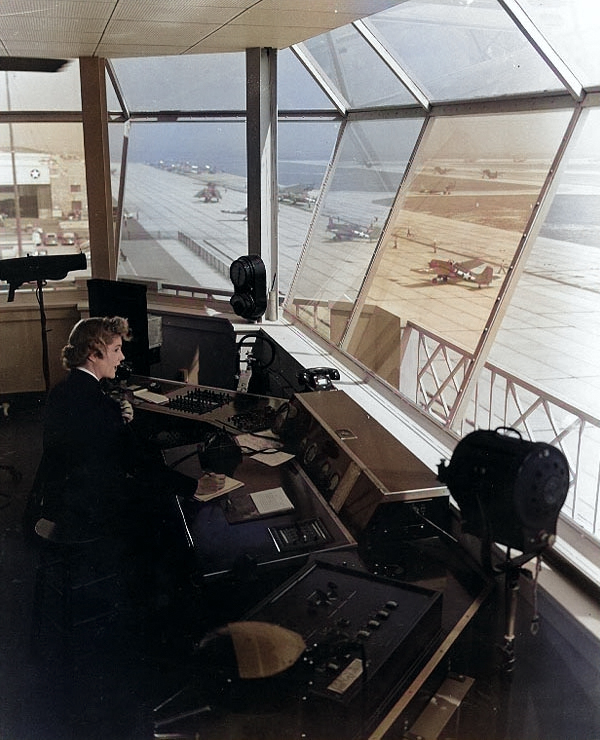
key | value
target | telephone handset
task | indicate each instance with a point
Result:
(319, 378)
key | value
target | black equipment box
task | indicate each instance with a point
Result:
(366, 636)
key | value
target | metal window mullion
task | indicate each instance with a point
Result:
(321, 78)
(375, 41)
(121, 193)
(112, 75)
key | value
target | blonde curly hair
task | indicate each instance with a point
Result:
(91, 337)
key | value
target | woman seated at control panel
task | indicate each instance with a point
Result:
(96, 475)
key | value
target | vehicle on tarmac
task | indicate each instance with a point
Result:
(68, 239)
(50, 239)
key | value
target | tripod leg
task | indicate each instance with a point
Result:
(511, 595)
(45, 359)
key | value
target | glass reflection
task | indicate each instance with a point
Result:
(183, 83)
(41, 91)
(356, 70)
(43, 201)
(305, 150)
(184, 202)
(359, 193)
(455, 227)
(297, 89)
(572, 27)
(547, 336)
(462, 49)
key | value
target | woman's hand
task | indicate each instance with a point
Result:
(126, 410)
(210, 483)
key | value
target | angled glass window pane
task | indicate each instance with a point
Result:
(193, 82)
(456, 49)
(454, 231)
(573, 29)
(359, 193)
(47, 91)
(547, 334)
(183, 183)
(116, 140)
(43, 200)
(297, 90)
(305, 150)
(356, 70)
(112, 102)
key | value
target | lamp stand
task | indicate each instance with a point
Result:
(45, 359)
(512, 569)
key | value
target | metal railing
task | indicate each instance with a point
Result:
(212, 255)
(431, 375)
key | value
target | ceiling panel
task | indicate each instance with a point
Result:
(154, 32)
(181, 12)
(121, 28)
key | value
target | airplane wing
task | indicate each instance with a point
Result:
(470, 264)
(442, 267)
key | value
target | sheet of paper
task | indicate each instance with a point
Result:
(273, 459)
(271, 501)
(265, 441)
(230, 485)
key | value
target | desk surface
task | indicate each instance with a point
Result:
(228, 532)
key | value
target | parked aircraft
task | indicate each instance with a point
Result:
(347, 230)
(449, 271)
(243, 212)
(297, 195)
(209, 194)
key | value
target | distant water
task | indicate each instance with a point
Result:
(361, 178)
(574, 218)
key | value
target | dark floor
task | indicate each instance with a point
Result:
(118, 673)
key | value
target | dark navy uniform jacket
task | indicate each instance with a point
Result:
(94, 469)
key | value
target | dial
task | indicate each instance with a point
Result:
(311, 452)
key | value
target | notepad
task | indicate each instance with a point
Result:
(271, 501)
(145, 395)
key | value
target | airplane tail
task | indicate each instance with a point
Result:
(485, 278)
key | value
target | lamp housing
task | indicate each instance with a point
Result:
(509, 490)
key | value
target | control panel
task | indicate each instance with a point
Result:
(354, 462)
(354, 624)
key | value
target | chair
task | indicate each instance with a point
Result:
(69, 579)
(15, 474)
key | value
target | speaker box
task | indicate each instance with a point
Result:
(249, 278)
(120, 298)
